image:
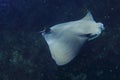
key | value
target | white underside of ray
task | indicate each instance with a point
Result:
(65, 39)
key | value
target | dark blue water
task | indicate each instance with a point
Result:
(24, 54)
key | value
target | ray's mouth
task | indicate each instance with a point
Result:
(93, 36)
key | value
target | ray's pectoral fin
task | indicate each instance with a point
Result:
(88, 17)
(65, 49)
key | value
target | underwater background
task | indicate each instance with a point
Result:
(24, 54)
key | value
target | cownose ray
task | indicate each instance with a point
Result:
(66, 39)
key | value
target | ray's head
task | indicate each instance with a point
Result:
(91, 29)
(87, 27)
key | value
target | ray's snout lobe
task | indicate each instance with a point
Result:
(101, 26)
